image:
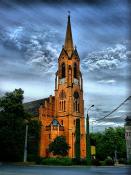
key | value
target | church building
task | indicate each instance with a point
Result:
(58, 113)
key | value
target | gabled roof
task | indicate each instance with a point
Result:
(55, 123)
(63, 51)
(69, 57)
(76, 53)
(33, 106)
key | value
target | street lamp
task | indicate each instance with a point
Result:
(88, 146)
(26, 139)
(90, 107)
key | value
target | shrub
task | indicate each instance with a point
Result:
(39, 160)
(102, 163)
(79, 161)
(76, 161)
(57, 161)
(59, 146)
(83, 162)
(129, 162)
(122, 161)
(95, 162)
(109, 161)
(34, 158)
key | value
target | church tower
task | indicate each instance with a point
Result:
(69, 103)
(58, 113)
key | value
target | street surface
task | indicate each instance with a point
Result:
(54, 170)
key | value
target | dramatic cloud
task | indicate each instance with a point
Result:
(110, 64)
(110, 58)
(31, 37)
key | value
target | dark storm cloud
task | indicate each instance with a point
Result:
(108, 66)
(25, 2)
(32, 35)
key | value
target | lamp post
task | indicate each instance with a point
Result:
(26, 139)
(93, 126)
(88, 146)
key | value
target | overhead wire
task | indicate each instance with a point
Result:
(114, 109)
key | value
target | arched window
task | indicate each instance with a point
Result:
(55, 122)
(63, 70)
(64, 106)
(62, 97)
(60, 106)
(78, 107)
(75, 70)
(76, 102)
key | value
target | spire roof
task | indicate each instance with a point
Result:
(68, 46)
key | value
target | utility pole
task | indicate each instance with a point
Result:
(26, 139)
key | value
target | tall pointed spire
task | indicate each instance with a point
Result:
(68, 46)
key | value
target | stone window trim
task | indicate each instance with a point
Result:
(75, 70)
(76, 102)
(63, 70)
(62, 105)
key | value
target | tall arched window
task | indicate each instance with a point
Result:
(63, 70)
(62, 97)
(64, 105)
(60, 105)
(76, 102)
(75, 70)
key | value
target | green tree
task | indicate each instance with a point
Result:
(33, 140)
(59, 146)
(77, 142)
(108, 141)
(12, 127)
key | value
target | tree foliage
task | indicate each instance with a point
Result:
(108, 141)
(12, 126)
(77, 142)
(33, 140)
(59, 146)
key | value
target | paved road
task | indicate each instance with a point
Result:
(51, 170)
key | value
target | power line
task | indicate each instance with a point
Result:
(114, 109)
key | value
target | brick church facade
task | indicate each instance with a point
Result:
(58, 113)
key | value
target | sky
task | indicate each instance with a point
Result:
(31, 38)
